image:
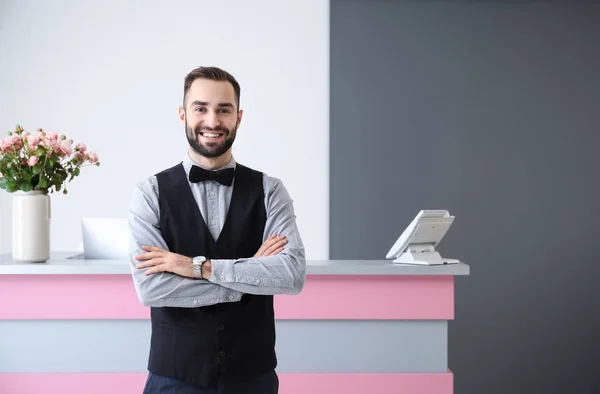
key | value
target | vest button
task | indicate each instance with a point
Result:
(220, 327)
(221, 353)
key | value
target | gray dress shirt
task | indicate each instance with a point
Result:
(283, 273)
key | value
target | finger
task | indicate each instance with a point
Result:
(275, 246)
(268, 241)
(276, 251)
(154, 270)
(151, 263)
(279, 243)
(260, 251)
(148, 256)
(149, 248)
(146, 264)
(274, 238)
(273, 241)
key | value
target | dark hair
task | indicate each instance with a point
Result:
(214, 74)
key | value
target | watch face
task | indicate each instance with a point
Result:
(198, 259)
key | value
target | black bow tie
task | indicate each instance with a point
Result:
(224, 177)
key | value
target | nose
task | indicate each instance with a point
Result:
(211, 120)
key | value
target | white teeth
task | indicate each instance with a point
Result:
(211, 135)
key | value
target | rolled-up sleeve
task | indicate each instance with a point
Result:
(284, 273)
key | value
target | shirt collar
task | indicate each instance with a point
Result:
(188, 163)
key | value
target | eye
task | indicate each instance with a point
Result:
(224, 111)
(200, 109)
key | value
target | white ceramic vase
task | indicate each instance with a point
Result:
(31, 226)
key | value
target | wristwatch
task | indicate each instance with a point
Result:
(197, 263)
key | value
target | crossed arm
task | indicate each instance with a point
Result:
(161, 260)
(163, 278)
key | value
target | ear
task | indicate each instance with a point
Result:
(181, 114)
(240, 114)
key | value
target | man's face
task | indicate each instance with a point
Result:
(211, 117)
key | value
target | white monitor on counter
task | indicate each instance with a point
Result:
(105, 238)
(417, 244)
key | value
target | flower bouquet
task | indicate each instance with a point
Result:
(41, 161)
(31, 167)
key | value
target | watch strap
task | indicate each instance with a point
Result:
(197, 265)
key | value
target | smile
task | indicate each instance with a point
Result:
(211, 135)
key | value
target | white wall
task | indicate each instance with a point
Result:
(111, 73)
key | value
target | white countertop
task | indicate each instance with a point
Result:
(72, 263)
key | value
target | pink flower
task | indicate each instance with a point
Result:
(92, 157)
(81, 146)
(50, 143)
(24, 135)
(34, 139)
(11, 144)
(18, 143)
(65, 148)
(52, 136)
(33, 160)
(78, 158)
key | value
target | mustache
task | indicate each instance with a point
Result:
(198, 129)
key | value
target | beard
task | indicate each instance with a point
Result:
(210, 149)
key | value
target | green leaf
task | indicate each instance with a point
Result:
(25, 186)
(4, 161)
(10, 184)
(43, 183)
(76, 171)
(60, 177)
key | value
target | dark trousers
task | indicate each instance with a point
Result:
(264, 384)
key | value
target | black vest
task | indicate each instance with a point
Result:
(196, 345)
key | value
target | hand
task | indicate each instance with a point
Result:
(272, 246)
(206, 272)
(164, 261)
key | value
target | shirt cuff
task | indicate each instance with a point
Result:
(222, 271)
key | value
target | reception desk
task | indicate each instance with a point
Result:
(76, 326)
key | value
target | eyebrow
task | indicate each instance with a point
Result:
(205, 104)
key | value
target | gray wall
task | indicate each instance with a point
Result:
(490, 110)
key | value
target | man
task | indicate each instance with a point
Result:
(212, 242)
